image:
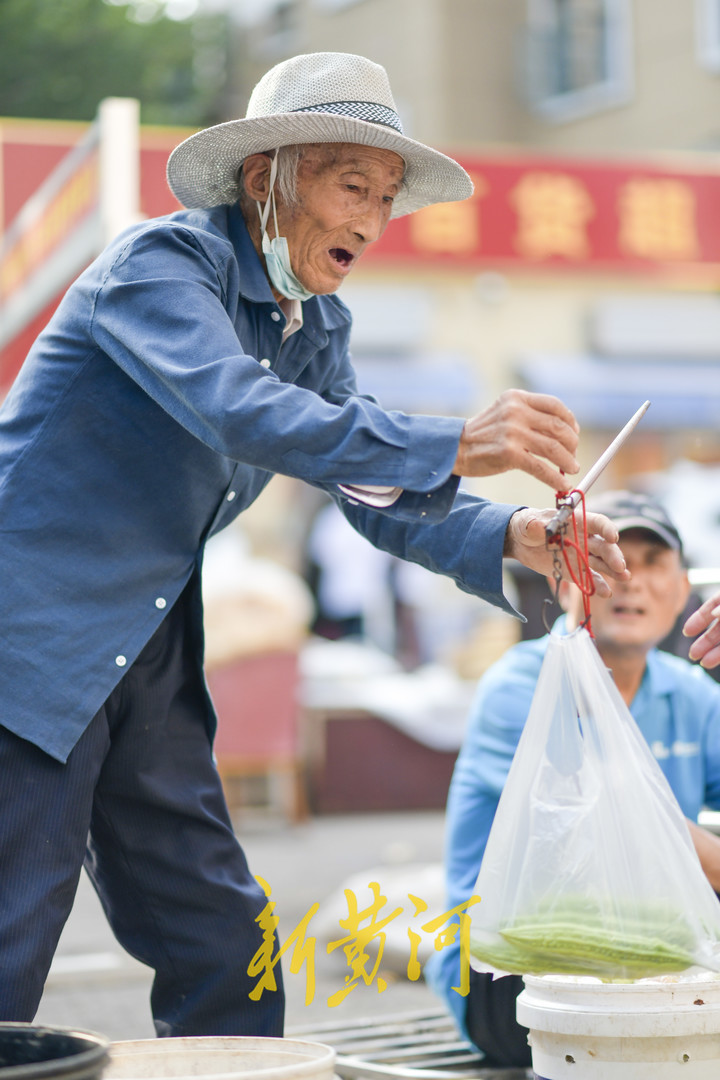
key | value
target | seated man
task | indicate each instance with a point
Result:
(676, 706)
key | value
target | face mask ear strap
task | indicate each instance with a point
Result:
(264, 211)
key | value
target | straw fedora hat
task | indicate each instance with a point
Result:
(314, 98)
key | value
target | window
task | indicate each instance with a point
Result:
(578, 56)
(707, 28)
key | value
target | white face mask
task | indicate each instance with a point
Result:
(277, 255)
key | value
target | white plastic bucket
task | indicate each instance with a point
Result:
(222, 1058)
(656, 1028)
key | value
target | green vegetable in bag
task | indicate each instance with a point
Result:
(576, 936)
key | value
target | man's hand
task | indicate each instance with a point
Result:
(525, 541)
(707, 647)
(532, 432)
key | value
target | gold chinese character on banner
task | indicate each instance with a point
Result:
(657, 219)
(449, 228)
(553, 211)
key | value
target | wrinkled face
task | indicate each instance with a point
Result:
(642, 611)
(345, 198)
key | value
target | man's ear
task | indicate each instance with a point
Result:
(256, 176)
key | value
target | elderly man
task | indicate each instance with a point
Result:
(198, 355)
(676, 706)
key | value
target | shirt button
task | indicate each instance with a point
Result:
(230, 495)
(121, 661)
(265, 363)
(161, 602)
(275, 316)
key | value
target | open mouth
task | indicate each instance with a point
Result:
(342, 257)
(628, 609)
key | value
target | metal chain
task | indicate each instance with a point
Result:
(557, 543)
(557, 563)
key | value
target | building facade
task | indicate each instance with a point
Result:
(588, 262)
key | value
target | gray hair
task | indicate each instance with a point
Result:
(288, 161)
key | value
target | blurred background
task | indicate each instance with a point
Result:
(586, 265)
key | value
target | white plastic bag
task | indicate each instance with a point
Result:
(589, 868)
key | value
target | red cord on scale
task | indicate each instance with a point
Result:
(556, 530)
(562, 545)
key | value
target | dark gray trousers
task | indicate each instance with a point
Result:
(140, 803)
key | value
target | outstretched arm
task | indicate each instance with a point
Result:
(470, 543)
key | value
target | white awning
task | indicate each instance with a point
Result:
(604, 393)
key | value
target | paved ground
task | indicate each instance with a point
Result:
(94, 984)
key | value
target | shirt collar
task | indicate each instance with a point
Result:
(318, 314)
(254, 285)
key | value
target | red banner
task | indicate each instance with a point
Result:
(537, 212)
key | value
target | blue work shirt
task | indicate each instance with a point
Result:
(676, 707)
(151, 411)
